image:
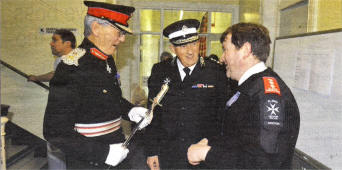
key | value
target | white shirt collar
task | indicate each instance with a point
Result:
(181, 71)
(257, 68)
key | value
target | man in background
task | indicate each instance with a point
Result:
(165, 56)
(261, 123)
(62, 43)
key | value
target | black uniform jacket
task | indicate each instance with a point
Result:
(85, 94)
(260, 126)
(189, 110)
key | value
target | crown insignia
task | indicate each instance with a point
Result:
(184, 30)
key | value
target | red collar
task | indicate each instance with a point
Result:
(98, 54)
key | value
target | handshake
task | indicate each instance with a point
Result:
(117, 152)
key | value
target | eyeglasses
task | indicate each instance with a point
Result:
(122, 33)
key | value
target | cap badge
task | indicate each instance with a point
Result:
(184, 30)
(184, 27)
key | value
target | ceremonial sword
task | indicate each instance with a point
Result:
(149, 114)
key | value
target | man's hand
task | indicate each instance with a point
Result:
(32, 78)
(138, 113)
(116, 154)
(153, 162)
(198, 152)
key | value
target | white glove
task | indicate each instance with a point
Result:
(116, 154)
(137, 113)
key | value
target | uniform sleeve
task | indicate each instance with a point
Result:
(224, 152)
(153, 132)
(126, 106)
(222, 94)
(60, 115)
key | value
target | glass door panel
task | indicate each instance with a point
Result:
(216, 48)
(220, 21)
(149, 20)
(166, 45)
(171, 16)
(149, 53)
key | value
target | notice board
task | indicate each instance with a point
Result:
(311, 65)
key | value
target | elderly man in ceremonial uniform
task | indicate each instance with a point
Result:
(190, 108)
(85, 103)
(261, 123)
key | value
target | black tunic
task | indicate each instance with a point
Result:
(259, 130)
(189, 110)
(86, 94)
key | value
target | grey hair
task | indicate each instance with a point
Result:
(88, 20)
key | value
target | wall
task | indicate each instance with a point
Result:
(321, 14)
(294, 19)
(22, 44)
(285, 3)
(329, 15)
(249, 11)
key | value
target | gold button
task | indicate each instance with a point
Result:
(104, 91)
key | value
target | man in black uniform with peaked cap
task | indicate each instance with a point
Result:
(191, 107)
(85, 103)
(261, 123)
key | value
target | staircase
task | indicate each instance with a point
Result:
(24, 151)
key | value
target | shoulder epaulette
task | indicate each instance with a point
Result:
(73, 57)
(202, 62)
(271, 85)
(215, 61)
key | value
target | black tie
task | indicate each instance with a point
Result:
(187, 74)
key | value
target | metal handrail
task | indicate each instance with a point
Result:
(24, 75)
(313, 163)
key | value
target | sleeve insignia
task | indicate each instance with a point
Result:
(73, 57)
(271, 85)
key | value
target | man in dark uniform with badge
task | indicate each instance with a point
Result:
(85, 103)
(261, 123)
(190, 109)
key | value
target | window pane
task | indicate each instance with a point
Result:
(166, 44)
(216, 48)
(150, 20)
(149, 56)
(176, 15)
(220, 21)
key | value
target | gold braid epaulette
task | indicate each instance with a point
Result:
(216, 61)
(73, 57)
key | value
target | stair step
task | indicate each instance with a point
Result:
(29, 162)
